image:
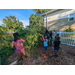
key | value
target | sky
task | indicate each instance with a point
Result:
(22, 14)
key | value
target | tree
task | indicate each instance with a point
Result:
(37, 19)
(40, 11)
(11, 23)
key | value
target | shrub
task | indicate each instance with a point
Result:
(69, 29)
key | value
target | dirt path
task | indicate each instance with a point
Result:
(66, 57)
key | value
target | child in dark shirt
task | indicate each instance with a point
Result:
(58, 35)
(56, 45)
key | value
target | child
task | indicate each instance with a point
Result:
(50, 38)
(58, 35)
(18, 45)
(56, 45)
(55, 40)
(45, 32)
(45, 45)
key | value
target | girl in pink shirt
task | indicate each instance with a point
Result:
(18, 45)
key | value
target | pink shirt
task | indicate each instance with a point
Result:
(18, 44)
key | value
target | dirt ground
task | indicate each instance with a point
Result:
(66, 56)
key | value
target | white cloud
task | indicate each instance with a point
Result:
(1, 22)
(25, 22)
(29, 9)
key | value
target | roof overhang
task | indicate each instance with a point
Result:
(53, 11)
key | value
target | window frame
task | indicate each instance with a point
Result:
(71, 17)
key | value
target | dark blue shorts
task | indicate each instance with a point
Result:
(56, 49)
(46, 48)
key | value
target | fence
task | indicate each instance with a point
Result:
(67, 38)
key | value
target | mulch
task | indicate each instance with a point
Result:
(66, 56)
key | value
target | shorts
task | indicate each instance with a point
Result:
(56, 49)
(46, 48)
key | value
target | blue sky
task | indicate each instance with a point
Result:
(22, 14)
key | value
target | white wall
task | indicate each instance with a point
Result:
(59, 14)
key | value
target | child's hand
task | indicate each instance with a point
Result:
(40, 38)
(15, 51)
(26, 39)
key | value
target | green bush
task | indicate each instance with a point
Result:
(69, 29)
(33, 34)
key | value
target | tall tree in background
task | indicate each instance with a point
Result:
(37, 19)
(41, 11)
(11, 23)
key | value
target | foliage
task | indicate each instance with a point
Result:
(69, 29)
(40, 11)
(37, 19)
(6, 48)
(11, 23)
(33, 35)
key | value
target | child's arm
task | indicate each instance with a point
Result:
(53, 44)
(41, 39)
(26, 39)
(22, 40)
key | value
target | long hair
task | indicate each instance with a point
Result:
(16, 36)
(47, 31)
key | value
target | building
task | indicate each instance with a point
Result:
(59, 19)
(26, 27)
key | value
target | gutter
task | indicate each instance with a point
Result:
(50, 12)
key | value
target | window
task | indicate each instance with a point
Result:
(71, 17)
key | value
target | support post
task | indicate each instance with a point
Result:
(46, 20)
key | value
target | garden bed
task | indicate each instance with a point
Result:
(66, 57)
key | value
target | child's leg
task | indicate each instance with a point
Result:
(20, 57)
(46, 53)
(55, 53)
(46, 50)
(24, 55)
(23, 51)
